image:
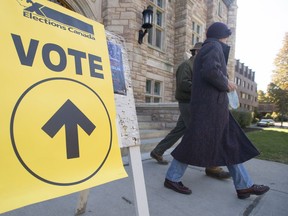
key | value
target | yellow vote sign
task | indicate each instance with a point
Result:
(57, 119)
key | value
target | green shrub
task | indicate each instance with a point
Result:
(254, 117)
(244, 118)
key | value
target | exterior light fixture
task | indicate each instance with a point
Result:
(147, 24)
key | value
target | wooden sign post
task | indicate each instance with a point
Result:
(58, 118)
(128, 131)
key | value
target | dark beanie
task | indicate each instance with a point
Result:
(218, 30)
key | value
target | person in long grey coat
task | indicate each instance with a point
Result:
(184, 76)
(213, 138)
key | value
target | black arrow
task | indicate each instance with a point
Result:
(70, 116)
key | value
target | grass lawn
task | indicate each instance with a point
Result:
(272, 144)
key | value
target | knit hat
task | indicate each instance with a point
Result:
(197, 46)
(218, 30)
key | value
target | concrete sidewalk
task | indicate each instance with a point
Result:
(210, 197)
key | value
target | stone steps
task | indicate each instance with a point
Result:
(148, 139)
(155, 121)
(151, 133)
(151, 125)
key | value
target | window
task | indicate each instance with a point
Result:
(238, 81)
(156, 33)
(220, 8)
(148, 86)
(62, 3)
(153, 91)
(157, 88)
(196, 33)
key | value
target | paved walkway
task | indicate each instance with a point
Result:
(210, 197)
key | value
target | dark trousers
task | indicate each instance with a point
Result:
(177, 132)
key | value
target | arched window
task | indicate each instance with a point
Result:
(82, 7)
(62, 3)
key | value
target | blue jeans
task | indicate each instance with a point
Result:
(240, 176)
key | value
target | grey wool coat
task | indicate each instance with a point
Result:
(213, 138)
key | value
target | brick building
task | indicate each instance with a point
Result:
(244, 77)
(266, 107)
(177, 26)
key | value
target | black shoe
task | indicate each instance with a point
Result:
(254, 190)
(217, 172)
(158, 158)
(177, 186)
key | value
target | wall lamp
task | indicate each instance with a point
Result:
(147, 24)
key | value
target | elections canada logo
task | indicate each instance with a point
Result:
(43, 14)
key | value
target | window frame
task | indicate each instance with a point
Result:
(151, 94)
(153, 39)
(196, 35)
(220, 8)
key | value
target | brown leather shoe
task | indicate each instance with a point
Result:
(217, 172)
(254, 190)
(177, 186)
(158, 158)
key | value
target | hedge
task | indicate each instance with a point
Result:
(244, 118)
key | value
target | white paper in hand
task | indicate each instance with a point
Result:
(233, 99)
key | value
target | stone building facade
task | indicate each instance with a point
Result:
(247, 87)
(266, 107)
(177, 26)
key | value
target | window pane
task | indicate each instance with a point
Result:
(150, 35)
(160, 3)
(157, 100)
(148, 99)
(155, 37)
(198, 29)
(158, 38)
(159, 18)
(148, 86)
(193, 39)
(157, 88)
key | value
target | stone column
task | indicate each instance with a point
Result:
(231, 22)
